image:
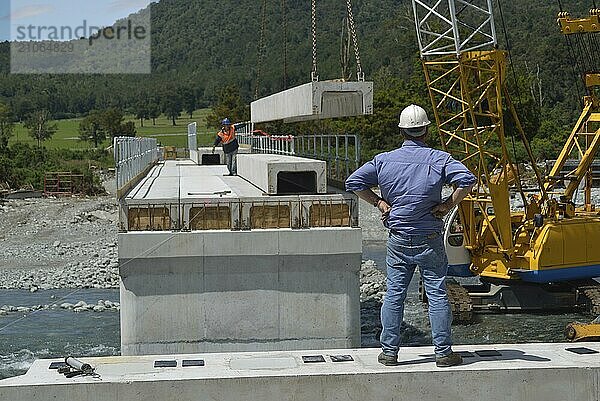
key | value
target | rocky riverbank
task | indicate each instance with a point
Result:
(59, 243)
(81, 306)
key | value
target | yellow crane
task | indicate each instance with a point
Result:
(545, 255)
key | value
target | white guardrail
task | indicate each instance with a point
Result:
(132, 157)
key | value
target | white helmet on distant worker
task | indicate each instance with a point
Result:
(414, 120)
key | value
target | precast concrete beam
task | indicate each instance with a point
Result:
(315, 101)
(281, 175)
(203, 154)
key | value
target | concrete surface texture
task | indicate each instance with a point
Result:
(524, 372)
(279, 174)
(315, 100)
(233, 291)
(270, 283)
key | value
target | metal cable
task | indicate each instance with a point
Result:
(285, 40)
(314, 74)
(359, 72)
(261, 48)
(512, 67)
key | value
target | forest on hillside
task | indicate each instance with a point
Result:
(201, 47)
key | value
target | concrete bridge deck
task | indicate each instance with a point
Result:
(490, 372)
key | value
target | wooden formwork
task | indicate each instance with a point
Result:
(210, 218)
(149, 218)
(170, 153)
(280, 213)
(270, 216)
(329, 215)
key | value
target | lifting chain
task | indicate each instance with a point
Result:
(359, 72)
(345, 49)
(314, 75)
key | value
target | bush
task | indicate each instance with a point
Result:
(22, 165)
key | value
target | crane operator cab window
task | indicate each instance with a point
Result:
(456, 230)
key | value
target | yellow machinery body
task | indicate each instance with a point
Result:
(559, 250)
(583, 332)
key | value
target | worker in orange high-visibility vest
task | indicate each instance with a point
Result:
(230, 144)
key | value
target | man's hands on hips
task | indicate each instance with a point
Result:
(457, 196)
(442, 209)
(384, 208)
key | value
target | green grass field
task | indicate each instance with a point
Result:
(67, 136)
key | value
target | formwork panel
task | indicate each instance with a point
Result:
(271, 172)
(149, 218)
(210, 218)
(278, 216)
(330, 215)
(315, 101)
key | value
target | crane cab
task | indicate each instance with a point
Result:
(459, 258)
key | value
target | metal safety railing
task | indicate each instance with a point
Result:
(133, 156)
(271, 144)
(341, 152)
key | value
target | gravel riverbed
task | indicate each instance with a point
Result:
(59, 243)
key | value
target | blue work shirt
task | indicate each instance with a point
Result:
(411, 180)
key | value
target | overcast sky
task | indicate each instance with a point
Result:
(59, 13)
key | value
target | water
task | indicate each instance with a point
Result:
(58, 333)
(55, 333)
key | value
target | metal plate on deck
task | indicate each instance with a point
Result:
(165, 364)
(315, 101)
(582, 351)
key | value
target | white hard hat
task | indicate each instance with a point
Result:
(413, 120)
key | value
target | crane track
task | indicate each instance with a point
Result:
(591, 296)
(460, 302)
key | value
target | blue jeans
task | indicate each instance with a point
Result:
(404, 254)
(231, 161)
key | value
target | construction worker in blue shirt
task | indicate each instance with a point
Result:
(411, 179)
(227, 138)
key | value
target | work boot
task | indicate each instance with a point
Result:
(451, 359)
(387, 360)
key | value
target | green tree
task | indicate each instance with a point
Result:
(230, 105)
(92, 129)
(153, 111)
(22, 108)
(190, 101)
(172, 106)
(112, 121)
(7, 125)
(142, 112)
(128, 129)
(39, 126)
